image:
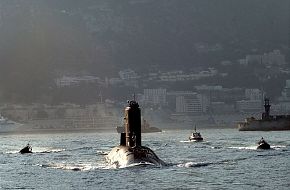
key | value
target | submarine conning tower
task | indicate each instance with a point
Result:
(132, 135)
(130, 150)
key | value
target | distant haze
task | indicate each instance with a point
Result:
(41, 38)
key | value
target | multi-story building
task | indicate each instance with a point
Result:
(273, 58)
(219, 94)
(221, 108)
(156, 97)
(189, 102)
(253, 59)
(75, 81)
(253, 94)
(286, 91)
(128, 74)
(129, 77)
(249, 105)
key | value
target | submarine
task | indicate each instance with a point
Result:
(130, 151)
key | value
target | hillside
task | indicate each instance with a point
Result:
(42, 39)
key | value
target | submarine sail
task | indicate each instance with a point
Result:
(130, 150)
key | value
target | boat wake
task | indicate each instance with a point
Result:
(12, 152)
(244, 147)
(137, 165)
(187, 141)
(202, 164)
(193, 141)
(39, 150)
(193, 164)
(275, 147)
(278, 147)
(75, 167)
(46, 150)
(93, 166)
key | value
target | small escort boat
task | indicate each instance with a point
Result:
(195, 136)
(262, 144)
(26, 149)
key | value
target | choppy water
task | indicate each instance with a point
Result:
(227, 159)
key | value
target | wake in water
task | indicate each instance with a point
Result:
(47, 150)
(193, 164)
(202, 164)
(277, 147)
(200, 142)
(74, 167)
(274, 147)
(39, 150)
(187, 141)
(138, 165)
(244, 147)
(93, 166)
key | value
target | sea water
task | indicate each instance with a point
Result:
(226, 159)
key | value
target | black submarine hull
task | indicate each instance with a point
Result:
(123, 156)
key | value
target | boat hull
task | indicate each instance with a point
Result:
(263, 146)
(195, 139)
(26, 150)
(264, 125)
(143, 130)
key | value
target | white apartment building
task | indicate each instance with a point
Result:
(128, 74)
(249, 105)
(155, 96)
(74, 81)
(253, 94)
(286, 91)
(191, 103)
(250, 59)
(274, 58)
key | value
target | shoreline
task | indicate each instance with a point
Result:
(55, 131)
(92, 130)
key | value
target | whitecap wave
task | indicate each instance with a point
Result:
(140, 164)
(38, 150)
(74, 167)
(277, 147)
(46, 149)
(244, 147)
(200, 142)
(132, 165)
(12, 152)
(187, 141)
(193, 164)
